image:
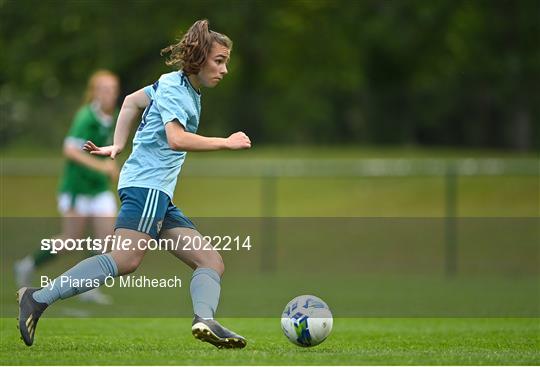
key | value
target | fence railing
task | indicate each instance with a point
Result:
(270, 170)
(371, 167)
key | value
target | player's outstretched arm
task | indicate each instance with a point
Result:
(75, 154)
(181, 140)
(131, 110)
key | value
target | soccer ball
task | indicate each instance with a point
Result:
(306, 321)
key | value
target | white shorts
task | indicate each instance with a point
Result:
(100, 205)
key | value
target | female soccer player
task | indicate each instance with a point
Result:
(147, 181)
(84, 196)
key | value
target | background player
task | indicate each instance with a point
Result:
(84, 197)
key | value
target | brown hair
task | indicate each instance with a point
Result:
(191, 52)
(91, 85)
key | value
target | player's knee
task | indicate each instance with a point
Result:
(216, 263)
(129, 264)
(212, 260)
(219, 266)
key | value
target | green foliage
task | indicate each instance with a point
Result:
(448, 72)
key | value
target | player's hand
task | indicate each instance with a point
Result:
(108, 151)
(238, 140)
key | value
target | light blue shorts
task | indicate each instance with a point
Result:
(149, 211)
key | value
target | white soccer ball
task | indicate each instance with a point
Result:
(306, 321)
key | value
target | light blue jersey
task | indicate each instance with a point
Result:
(153, 164)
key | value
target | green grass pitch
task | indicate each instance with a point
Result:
(367, 341)
(493, 279)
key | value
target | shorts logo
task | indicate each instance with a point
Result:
(158, 226)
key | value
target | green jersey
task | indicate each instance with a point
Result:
(89, 124)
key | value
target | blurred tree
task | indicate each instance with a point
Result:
(450, 72)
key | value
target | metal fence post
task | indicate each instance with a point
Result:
(268, 210)
(451, 248)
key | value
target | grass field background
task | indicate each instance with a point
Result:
(145, 341)
(372, 247)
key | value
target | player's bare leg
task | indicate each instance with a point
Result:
(129, 260)
(205, 288)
